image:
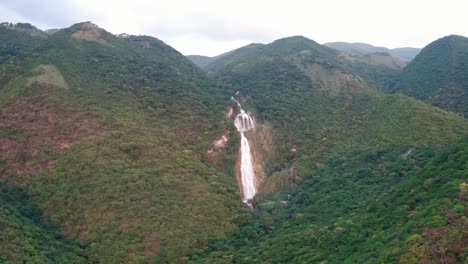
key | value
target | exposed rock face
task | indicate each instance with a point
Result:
(220, 143)
(259, 146)
(217, 151)
(229, 111)
(90, 32)
(262, 150)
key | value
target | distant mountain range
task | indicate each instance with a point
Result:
(406, 54)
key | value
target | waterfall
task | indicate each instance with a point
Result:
(243, 123)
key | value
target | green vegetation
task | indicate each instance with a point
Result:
(380, 76)
(18, 39)
(26, 237)
(316, 104)
(406, 54)
(200, 61)
(112, 145)
(438, 75)
(387, 205)
(105, 155)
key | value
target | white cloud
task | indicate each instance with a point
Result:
(210, 27)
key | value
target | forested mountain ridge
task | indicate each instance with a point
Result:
(318, 105)
(200, 61)
(109, 136)
(387, 205)
(118, 149)
(379, 69)
(27, 236)
(18, 39)
(406, 54)
(439, 75)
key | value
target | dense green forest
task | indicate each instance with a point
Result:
(200, 61)
(18, 39)
(386, 205)
(406, 54)
(111, 143)
(438, 75)
(27, 236)
(319, 106)
(108, 155)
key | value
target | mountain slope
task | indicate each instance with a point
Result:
(378, 69)
(389, 205)
(405, 54)
(109, 136)
(18, 39)
(25, 236)
(438, 75)
(318, 106)
(200, 61)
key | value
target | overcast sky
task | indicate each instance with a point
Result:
(211, 27)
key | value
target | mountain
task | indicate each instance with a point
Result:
(379, 69)
(316, 106)
(109, 136)
(357, 176)
(200, 61)
(119, 149)
(18, 39)
(388, 205)
(438, 75)
(26, 237)
(355, 47)
(405, 54)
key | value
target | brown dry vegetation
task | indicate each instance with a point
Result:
(29, 130)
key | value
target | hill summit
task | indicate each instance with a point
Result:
(438, 75)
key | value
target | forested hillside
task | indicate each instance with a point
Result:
(200, 61)
(18, 39)
(27, 236)
(438, 75)
(119, 149)
(318, 106)
(109, 137)
(387, 205)
(406, 54)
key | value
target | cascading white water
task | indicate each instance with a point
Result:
(243, 123)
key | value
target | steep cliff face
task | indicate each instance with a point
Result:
(258, 148)
(262, 152)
